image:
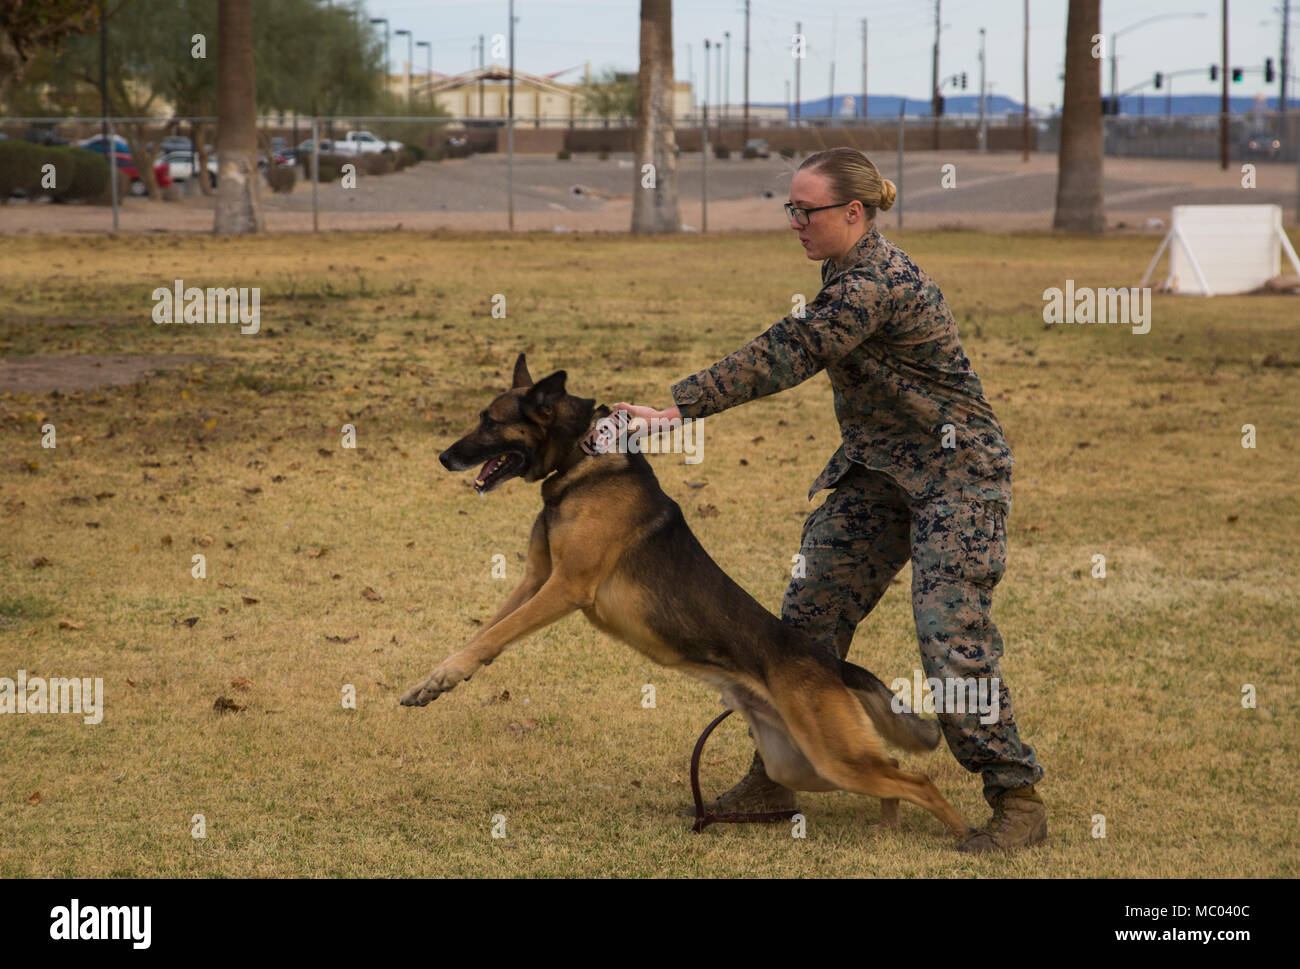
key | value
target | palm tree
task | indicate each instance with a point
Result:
(1079, 160)
(239, 206)
(654, 209)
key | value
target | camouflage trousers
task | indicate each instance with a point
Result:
(852, 547)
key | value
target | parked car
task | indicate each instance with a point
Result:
(100, 144)
(304, 150)
(180, 165)
(458, 147)
(1263, 144)
(363, 143)
(756, 148)
(138, 187)
(176, 143)
(44, 134)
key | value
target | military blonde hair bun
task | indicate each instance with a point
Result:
(852, 176)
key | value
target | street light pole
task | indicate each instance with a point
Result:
(428, 51)
(384, 21)
(1141, 23)
(410, 59)
(983, 132)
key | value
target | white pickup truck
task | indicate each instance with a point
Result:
(363, 143)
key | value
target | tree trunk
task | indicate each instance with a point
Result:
(654, 196)
(1079, 160)
(239, 205)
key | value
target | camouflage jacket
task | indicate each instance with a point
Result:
(907, 400)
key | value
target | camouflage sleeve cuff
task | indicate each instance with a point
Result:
(693, 399)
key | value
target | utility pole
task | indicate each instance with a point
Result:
(1223, 98)
(934, 75)
(1281, 98)
(704, 148)
(746, 69)
(830, 103)
(983, 131)
(480, 75)
(798, 63)
(510, 125)
(864, 68)
(726, 88)
(1024, 122)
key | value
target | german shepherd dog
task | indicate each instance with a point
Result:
(610, 542)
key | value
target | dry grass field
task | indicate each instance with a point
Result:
(1127, 446)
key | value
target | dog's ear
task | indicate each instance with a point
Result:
(522, 377)
(540, 400)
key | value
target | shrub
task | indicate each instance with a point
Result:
(415, 154)
(564, 154)
(604, 154)
(281, 178)
(79, 174)
(721, 151)
(786, 152)
(377, 164)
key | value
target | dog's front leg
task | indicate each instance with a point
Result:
(553, 601)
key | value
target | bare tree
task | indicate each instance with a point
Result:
(239, 205)
(654, 197)
(1079, 160)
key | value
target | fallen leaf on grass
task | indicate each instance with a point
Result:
(250, 601)
(241, 683)
(165, 541)
(371, 594)
(503, 697)
(71, 624)
(204, 540)
(708, 511)
(224, 704)
(341, 639)
(40, 562)
(521, 727)
(696, 484)
(186, 622)
(34, 798)
(319, 552)
(104, 494)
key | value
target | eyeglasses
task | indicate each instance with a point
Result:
(800, 216)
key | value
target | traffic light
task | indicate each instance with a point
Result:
(963, 80)
(1159, 79)
(1268, 70)
(1214, 72)
(1236, 74)
(1109, 105)
(938, 105)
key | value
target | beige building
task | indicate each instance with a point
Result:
(484, 93)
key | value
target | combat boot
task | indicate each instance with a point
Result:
(1019, 820)
(756, 793)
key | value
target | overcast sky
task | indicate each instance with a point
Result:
(556, 34)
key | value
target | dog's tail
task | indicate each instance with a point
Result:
(903, 729)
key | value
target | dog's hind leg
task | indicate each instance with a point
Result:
(834, 732)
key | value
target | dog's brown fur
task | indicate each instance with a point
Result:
(610, 542)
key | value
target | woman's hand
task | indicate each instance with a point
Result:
(649, 413)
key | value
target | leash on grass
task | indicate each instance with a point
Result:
(702, 819)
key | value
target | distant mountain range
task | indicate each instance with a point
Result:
(886, 105)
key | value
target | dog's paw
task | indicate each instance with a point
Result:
(449, 673)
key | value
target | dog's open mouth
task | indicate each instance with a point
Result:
(500, 468)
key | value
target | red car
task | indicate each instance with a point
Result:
(160, 172)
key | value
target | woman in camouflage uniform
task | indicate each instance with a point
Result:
(923, 473)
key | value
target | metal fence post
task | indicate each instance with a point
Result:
(315, 173)
(111, 155)
(902, 103)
